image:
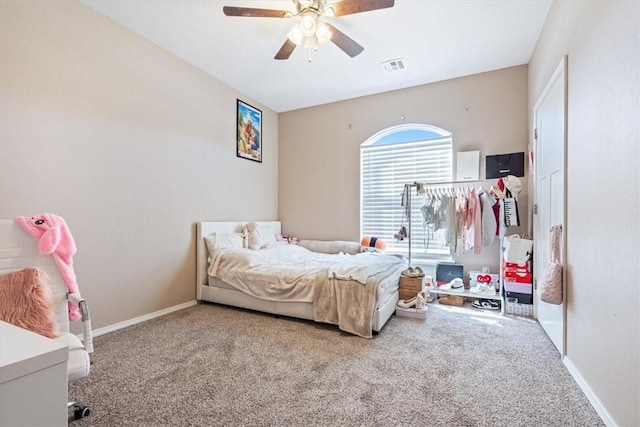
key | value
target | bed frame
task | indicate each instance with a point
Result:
(219, 292)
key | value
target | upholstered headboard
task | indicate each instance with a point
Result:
(202, 253)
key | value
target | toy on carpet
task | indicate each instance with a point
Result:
(55, 239)
(373, 242)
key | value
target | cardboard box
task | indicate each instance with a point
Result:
(446, 272)
(405, 294)
(412, 312)
(410, 286)
(518, 276)
(524, 267)
(411, 283)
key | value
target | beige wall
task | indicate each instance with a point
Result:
(602, 41)
(129, 143)
(133, 146)
(319, 173)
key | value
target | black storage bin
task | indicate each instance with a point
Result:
(521, 298)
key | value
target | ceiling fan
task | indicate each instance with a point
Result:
(310, 31)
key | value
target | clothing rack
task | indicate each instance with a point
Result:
(415, 184)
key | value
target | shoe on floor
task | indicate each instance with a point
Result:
(407, 303)
(486, 304)
(418, 301)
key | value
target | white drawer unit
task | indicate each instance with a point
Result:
(33, 379)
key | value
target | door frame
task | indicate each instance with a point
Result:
(561, 69)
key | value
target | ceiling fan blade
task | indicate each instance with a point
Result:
(344, 42)
(286, 50)
(348, 7)
(256, 13)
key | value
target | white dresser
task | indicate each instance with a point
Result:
(33, 379)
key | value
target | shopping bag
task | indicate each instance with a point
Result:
(517, 249)
(551, 284)
(500, 165)
(511, 215)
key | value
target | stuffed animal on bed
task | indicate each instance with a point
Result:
(253, 239)
(54, 238)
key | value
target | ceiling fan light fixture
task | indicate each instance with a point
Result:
(310, 32)
(308, 24)
(295, 35)
(311, 42)
(323, 33)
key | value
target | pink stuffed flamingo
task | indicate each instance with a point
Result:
(54, 238)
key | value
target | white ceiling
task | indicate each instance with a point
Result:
(437, 39)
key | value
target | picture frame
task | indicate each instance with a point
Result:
(248, 132)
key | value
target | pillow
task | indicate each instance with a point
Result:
(25, 301)
(224, 240)
(330, 246)
(267, 234)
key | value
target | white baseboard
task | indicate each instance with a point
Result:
(595, 402)
(140, 319)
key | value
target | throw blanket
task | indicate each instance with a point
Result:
(344, 289)
(281, 272)
(350, 297)
(331, 246)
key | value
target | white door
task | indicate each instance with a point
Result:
(549, 193)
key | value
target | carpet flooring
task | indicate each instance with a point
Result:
(211, 365)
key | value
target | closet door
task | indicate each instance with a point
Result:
(549, 193)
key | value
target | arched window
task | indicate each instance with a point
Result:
(390, 159)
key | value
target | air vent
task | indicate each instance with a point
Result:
(394, 64)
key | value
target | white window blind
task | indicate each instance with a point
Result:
(386, 166)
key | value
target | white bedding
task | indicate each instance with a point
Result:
(285, 272)
(292, 273)
(281, 272)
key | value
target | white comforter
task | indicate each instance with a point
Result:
(281, 272)
(291, 273)
(288, 272)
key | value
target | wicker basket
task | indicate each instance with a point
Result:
(515, 308)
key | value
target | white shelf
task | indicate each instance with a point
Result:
(466, 293)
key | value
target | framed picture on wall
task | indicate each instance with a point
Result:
(248, 132)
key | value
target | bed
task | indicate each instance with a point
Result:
(356, 292)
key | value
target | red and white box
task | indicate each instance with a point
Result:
(512, 266)
(518, 276)
(479, 278)
(524, 265)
